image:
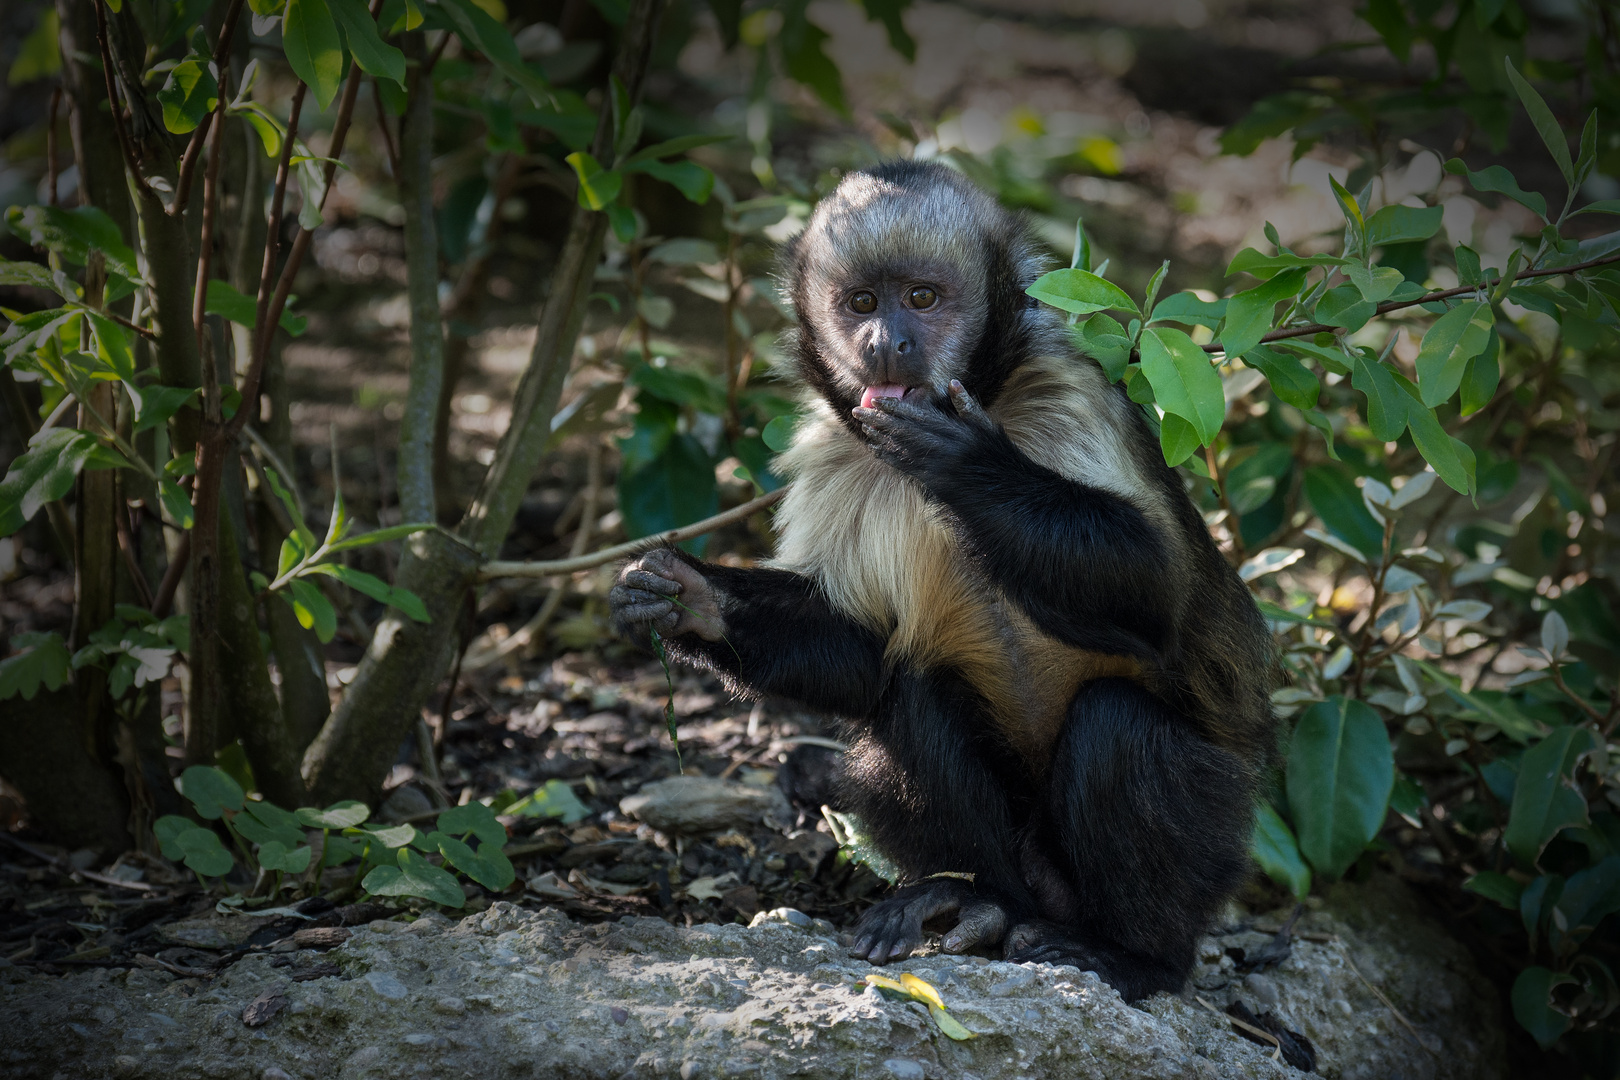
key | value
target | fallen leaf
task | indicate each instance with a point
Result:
(949, 1025)
(922, 990)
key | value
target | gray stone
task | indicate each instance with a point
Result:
(647, 999)
(699, 804)
(1263, 989)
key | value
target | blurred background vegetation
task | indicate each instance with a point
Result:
(1446, 640)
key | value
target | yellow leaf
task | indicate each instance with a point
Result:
(495, 9)
(1102, 154)
(922, 990)
(883, 982)
(949, 1026)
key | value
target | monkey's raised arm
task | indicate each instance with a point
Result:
(764, 632)
(1086, 565)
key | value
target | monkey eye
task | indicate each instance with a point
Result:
(863, 303)
(922, 297)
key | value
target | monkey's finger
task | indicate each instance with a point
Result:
(982, 923)
(650, 581)
(967, 407)
(648, 611)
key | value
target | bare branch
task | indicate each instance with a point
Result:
(493, 570)
(188, 164)
(131, 161)
(1445, 294)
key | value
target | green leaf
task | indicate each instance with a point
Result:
(1340, 772)
(1547, 126)
(225, 301)
(1402, 225)
(1270, 117)
(204, 853)
(1290, 380)
(309, 36)
(1387, 405)
(40, 55)
(1533, 1001)
(270, 129)
(1105, 341)
(555, 800)
(1183, 380)
(345, 814)
(1481, 377)
(112, 345)
(669, 148)
(155, 404)
(1545, 801)
(778, 434)
(167, 829)
(1600, 206)
(375, 56)
(475, 818)
(1080, 292)
(39, 277)
(1344, 306)
(376, 588)
(1188, 309)
(488, 865)
(1250, 261)
(1375, 283)
(690, 178)
(415, 876)
(677, 487)
(1177, 439)
(1452, 459)
(597, 186)
(1499, 180)
(395, 837)
(211, 791)
(42, 658)
(380, 536)
(801, 44)
(74, 234)
(262, 822)
(45, 472)
(489, 37)
(176, 503)
(313, 611)
(1274, 848)
(1351, 209)
(1497, 887)
(1249, 313)
(189, 94)
(1455, 338)
(276, 855)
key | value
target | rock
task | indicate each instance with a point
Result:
(321, 937)
(1262, 989)
(406, 801)
(516, 992)
(699, 804)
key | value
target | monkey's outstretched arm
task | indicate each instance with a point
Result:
(764, 632)
(1086, 565)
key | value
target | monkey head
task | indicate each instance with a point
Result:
(907, 277)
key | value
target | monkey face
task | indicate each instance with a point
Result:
(906, 277)
(896, 329)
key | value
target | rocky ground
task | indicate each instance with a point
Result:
(1368, 988)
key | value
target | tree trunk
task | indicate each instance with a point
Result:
(76, 800)
(406, 660)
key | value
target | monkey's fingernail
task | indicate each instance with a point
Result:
(953, 943)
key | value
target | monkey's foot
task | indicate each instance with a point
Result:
(1133, 975)
(893, 928)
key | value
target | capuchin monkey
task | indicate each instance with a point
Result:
(1056, 689)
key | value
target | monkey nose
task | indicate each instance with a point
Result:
(902, 347)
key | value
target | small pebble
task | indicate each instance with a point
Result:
(905, 1069)
(387, 985)
(1263, 988)
(450, 1006)
(273, 1073)
(620, 1016)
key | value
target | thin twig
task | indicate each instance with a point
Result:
(492, 570)
(164, 597)
(126, 545)
(1379, 994)
(210, 210)
(63, 864)
(205, 130)
(50, 145)
(388, 136)
(125, 144)
(145, 331)
(1445, 294)
(1276, 1053)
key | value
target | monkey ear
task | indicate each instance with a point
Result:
(967, 407)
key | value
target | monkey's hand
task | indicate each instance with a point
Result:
(661, 591)
(924, 435)
(893, 928)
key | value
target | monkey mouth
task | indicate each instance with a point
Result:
(882, 390)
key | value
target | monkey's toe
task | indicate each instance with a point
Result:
(983, 923)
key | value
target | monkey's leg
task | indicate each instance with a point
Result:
(939, 797)
(782, 638)
(1151, 824)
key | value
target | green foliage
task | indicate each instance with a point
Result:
(1340, 772)
(556, 799)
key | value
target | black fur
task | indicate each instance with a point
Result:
(1119, 853)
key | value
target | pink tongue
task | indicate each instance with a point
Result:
(884, 390)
